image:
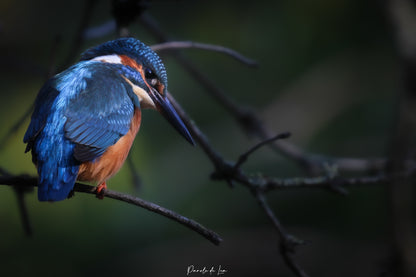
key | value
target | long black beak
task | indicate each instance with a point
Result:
(169, 112)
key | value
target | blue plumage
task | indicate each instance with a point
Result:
(133, 48)
(78, 114)
(85, 110)
(99, 114)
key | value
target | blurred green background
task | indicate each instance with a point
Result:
(328, 72)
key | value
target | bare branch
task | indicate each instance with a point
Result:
(20, 194)
(210, 47)
(259, 185)
(324, 182)
(243, 157)
(28, 181)
(243, 114)
(249, 120)
(24, 215)
(287, 242)
(227, 171)
(253, 124)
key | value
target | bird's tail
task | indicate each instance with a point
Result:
(57, 168)
(55, 182)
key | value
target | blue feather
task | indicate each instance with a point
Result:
(93, 117)
(78, 114)
(82, 111)
(132, 48)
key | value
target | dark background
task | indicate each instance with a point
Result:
(328, 72)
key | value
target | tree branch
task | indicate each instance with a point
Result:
(243, 157)
(287, 242)
(170, 45)
(226, 170)
(232, 173)
(229, 172)
(24, 215)
(253, 124)
(28, 181)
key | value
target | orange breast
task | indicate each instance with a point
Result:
(111, 161)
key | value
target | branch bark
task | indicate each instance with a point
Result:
(170, 45)
(22, 181)
(231, 172)
(287, 242)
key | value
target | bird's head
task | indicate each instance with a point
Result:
(144, 71)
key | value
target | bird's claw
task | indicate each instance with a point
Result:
(99, 191)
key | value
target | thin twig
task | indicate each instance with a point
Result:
(189, 223)
(25, 181)
(199, 136)
(20, 194)
(204, 46)
(287, 242)
(260, 185)
(249, 120)
(243, 157)
(222, 98)
(227, 171)
(24, 215)
(253, 124)
(325, 182)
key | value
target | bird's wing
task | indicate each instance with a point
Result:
(43, 104)
(99, 115)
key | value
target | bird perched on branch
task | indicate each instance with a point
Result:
(86, 118)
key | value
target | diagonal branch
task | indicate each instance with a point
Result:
(170, 45)
(29, 181)
(253, 124)
(20, 195)
(243, 157)
(24, 215)
(287, 242)
(227, 171)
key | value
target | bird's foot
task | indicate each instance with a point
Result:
(99, 191)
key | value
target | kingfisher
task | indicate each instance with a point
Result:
(86, 118)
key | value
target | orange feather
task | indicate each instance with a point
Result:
(113, 159)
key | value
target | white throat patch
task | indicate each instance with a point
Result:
(108, 59)
(145, 101)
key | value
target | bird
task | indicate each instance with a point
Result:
(86, 118)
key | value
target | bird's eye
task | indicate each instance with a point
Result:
(150, 76)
